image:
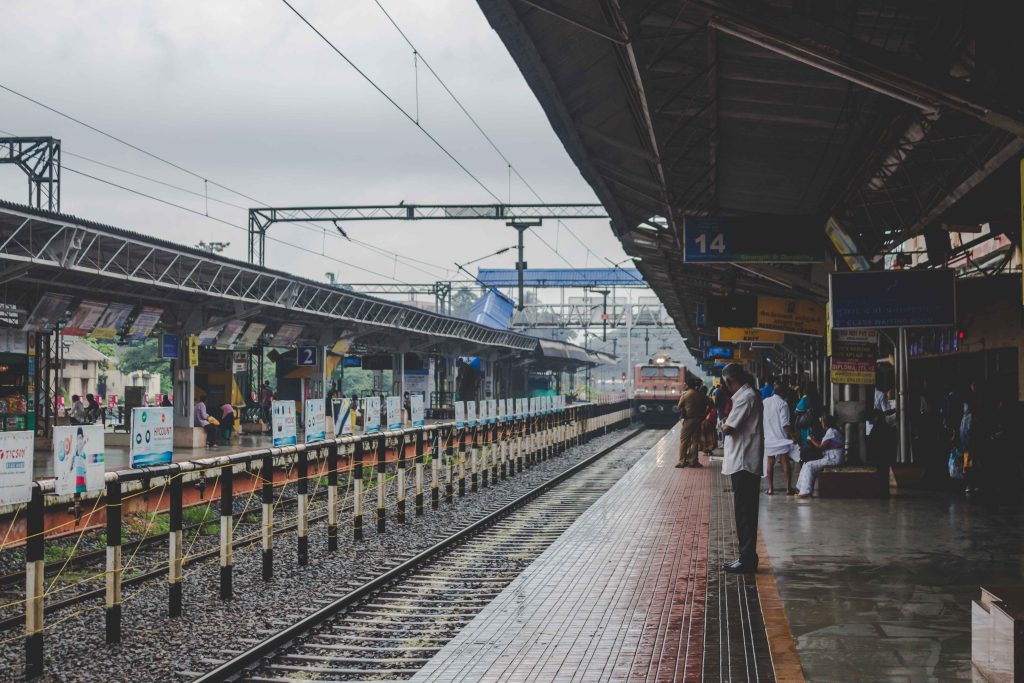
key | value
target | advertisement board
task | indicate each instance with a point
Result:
(394, 412)
(152, 436)
(251, 335)
(471, 413)
(16, 453)
(48, 312)
(282, 420)
(286, 335)
(893, 298)
(110, 323)
(485, 412)
(416, 410)
(78, 464)
(460, 414)
(230, 334)
(315, 420)
(209, 336)
(341, 411)
(84, 319)
(854, 353)
(371, 415)
(144, 323)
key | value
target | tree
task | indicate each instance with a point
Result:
(462, 302)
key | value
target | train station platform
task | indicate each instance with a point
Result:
(632, 591)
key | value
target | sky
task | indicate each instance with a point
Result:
(245, 95)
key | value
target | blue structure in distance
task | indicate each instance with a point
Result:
(562, 277)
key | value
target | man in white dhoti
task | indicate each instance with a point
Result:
(778, 440)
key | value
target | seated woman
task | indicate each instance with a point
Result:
(831, 446)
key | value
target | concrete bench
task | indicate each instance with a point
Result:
(850, 482)
(189, 437)
(997, 633)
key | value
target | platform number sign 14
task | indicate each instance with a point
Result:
(717, 243)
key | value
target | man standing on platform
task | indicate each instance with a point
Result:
(744, 462)
(693, 407)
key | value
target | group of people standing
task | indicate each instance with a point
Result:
(758, 426)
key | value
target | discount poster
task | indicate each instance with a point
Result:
(152, 436)
(78, 458)
(315, 420)
(371, 414)
(416, 408)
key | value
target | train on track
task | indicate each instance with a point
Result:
(657, 385)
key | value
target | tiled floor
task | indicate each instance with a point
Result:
(619, 596)
(881, 590)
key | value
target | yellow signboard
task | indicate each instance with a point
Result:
(747, 334)
(790, 315)
(193, 351)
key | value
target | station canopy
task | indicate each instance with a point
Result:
(43, 252)
(889, 119)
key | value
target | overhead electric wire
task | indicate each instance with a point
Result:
(390, 99)
(187, 171)
(490, 141)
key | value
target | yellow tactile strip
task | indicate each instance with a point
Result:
(785, 659)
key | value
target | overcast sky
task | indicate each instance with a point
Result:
(244, 94)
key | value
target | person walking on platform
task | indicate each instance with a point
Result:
(744, 462)
(693, 407)
(779, 442)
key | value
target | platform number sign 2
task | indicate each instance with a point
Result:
(307, 355)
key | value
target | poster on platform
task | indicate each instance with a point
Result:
(315, 420)
(48, 312)
(111, 322)
(84, 319)
(492, 411)
(371, 414)
(152, 436)
(251, 335)
(283, 423)
(471, 414)
(393, 405)
(286, 335)
(144, 323)
(341, 411)
(460, 414)
(416, 409)
(520, 409)
(16, 450)
(485, 413)
(502, 415)
(78, 465)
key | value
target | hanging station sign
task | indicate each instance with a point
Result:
(750, 335)
(794, 316)
(764, 238)
(893, 298)
(84, 319)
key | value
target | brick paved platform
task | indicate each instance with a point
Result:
(623, 594)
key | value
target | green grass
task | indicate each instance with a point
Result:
(201, 514)
(156, 523)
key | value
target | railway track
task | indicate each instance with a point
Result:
(389, 626)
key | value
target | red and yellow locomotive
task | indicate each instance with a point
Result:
(657, 386)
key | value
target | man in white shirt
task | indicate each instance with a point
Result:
(744, 462)
(778, 440)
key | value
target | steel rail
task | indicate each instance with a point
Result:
(238, 665)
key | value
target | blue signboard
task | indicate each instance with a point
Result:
(718, 352)
(169, 345)
(307, 355)
(893, 298)
(765, 238)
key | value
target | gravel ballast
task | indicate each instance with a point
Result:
(155, 647)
